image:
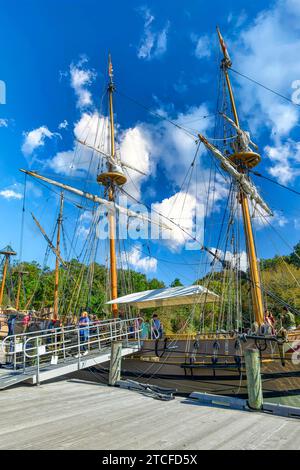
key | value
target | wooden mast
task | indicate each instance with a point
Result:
(57, 261)
(7, 253)
(111, 197)
(256, 291)
(111, 179)
(20, 277)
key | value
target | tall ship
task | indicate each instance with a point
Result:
(223, 313)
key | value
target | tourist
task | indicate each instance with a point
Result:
(11, 323)
(26, 322)
(156, 327)
(145, 329)
(270, 321)
(83, 324)
(288, 319)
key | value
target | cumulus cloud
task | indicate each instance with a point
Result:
(174, 148)
(90, 129)
(181, 209)
(203, 46)
(10, 194)
(153, 42)
(285, 160)
(262, 220)
(35, 139)
(63, 125)
(133, 148)
(15, 191)
(83, 232)
(63, 162)
(236, 21)
(3, 122)
(81, 78)
(266, 51)
(137, 261)
(235, 260)
(135, 145)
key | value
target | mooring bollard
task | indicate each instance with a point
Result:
(115, 362)
(254, 385)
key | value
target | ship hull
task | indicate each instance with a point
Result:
(214, 365)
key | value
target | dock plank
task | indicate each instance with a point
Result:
(73, 414)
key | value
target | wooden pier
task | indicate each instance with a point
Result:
(74, 414)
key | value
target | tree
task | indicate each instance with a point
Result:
(176, 283)
(295, 256)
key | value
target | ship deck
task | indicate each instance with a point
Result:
(74, 414)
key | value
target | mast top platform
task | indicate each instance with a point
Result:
(8, 252)
(245, 158)
(112, 177)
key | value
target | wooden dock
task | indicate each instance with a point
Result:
(73, 414)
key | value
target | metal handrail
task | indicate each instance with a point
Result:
(59, 342)
(112, 334)
(12, 338)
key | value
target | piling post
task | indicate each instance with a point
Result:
(115, 362)
(254, 384)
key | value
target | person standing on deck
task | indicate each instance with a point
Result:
(145, 327)
(288, 319)
(11, 323)
(84, 322)
(156, 327)
(26, 322)
(270, 321)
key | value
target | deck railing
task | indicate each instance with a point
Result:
(61, 345)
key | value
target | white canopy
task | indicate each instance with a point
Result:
(170, 296)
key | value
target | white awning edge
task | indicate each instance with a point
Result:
(167, 297)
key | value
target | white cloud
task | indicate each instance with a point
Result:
(285, 160)
(135, 147)
(35, 139)
(266, 51)
(203, 47)
(91, 129)
(63, 125)
(235, 260)
(181, 209)
(3, 122)
(153, 43)
(171, 146)
(262, 220)
(142, 147)
(297, 224)
(63, 162)
(236, 21)
(136, 260)
(81, 77)
(83, 232)
(280, 219)
(86, 216)
(16, 191)
(10, 194)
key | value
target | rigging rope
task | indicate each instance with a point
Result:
(265, 87)
(275, 182)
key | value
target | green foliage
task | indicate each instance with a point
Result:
(84, 287)
(176, 283)
(81, 286)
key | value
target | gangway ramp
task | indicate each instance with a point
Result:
(40, 356)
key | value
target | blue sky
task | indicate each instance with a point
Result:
(165, 56)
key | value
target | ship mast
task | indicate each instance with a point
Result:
(242, 161)
(20, 278)
(58, 258)
(7, 252)
(112, 178)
